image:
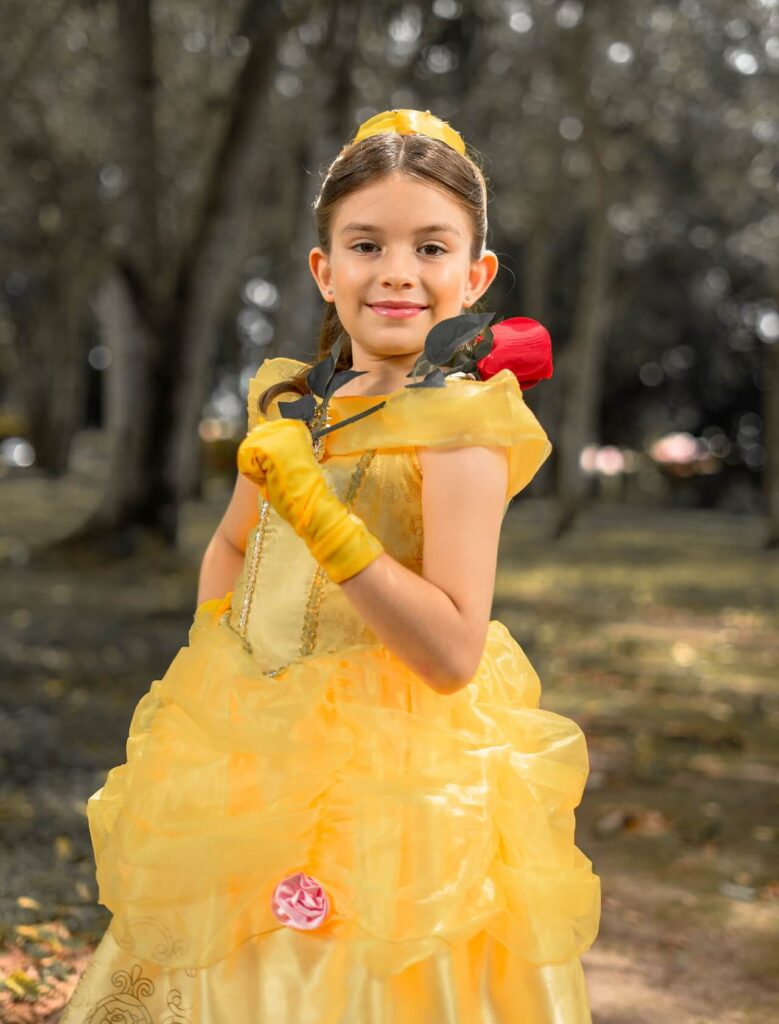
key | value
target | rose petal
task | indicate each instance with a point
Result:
(521, 345)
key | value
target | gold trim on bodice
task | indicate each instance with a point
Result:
(317, 590)
(309, 631)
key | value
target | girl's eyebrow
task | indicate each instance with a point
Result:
(420, 231)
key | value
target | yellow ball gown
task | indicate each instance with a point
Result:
(286, 738)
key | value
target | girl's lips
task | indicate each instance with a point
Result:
(397, 313)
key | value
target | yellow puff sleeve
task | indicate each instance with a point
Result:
(464, 412)
(271, 372)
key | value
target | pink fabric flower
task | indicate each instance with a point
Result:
(300, 901)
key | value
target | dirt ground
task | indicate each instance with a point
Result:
(656, 631)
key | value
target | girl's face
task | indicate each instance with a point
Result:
(399, 241)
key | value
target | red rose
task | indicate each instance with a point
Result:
(521, 345)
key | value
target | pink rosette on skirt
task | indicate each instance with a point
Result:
(300, 901)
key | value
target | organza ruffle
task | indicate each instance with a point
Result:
(464, 412)
(426, 818)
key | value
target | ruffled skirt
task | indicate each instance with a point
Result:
(441, 829)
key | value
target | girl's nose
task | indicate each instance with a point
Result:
(397, 272)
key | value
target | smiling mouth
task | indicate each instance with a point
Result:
(397, 312)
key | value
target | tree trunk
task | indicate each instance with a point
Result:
(70, 343)
(52, 353)
(544, 400)
(580, 366)
(295, 327)
(224, 239)
(301, 304)
(129, 307)
(126, 401)
(163, 326)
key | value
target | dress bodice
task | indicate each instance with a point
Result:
(284, 605)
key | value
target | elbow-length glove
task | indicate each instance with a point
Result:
(278, 456)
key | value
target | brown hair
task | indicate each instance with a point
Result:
(378, 156)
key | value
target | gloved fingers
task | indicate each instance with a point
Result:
(273, 444)
(281, 433)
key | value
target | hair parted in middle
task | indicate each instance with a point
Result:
(378, 156)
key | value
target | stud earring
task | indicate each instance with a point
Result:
(329, 291)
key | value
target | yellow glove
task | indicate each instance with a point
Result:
(278, 456)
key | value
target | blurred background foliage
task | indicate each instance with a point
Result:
(157, 169)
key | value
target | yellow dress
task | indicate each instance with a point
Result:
(286, 738)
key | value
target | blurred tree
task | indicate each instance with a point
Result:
(156, 152)
(580, 367)
(174, 305)
(314, 134)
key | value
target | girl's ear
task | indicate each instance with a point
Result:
(320, 269)
(481, 275)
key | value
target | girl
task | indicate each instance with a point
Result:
(342, 803)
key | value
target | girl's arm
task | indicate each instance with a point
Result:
(223, 559)
(437, 622)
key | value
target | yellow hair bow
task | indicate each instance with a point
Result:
(410, 122)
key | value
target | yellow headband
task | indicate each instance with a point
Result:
(409, 122)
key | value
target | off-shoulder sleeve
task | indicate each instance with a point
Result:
(464, 412)
(271, 372)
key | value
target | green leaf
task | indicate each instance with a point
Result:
(434, 379)
(421, 366)
(483, 349)
(418, 366)
(466, 366)
(302, 408)
(339, 378)
(321, 374)
(450, 334)
(461, 359)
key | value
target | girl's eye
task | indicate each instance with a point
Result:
(429, 245)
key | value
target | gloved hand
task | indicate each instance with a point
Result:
(278, 456)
